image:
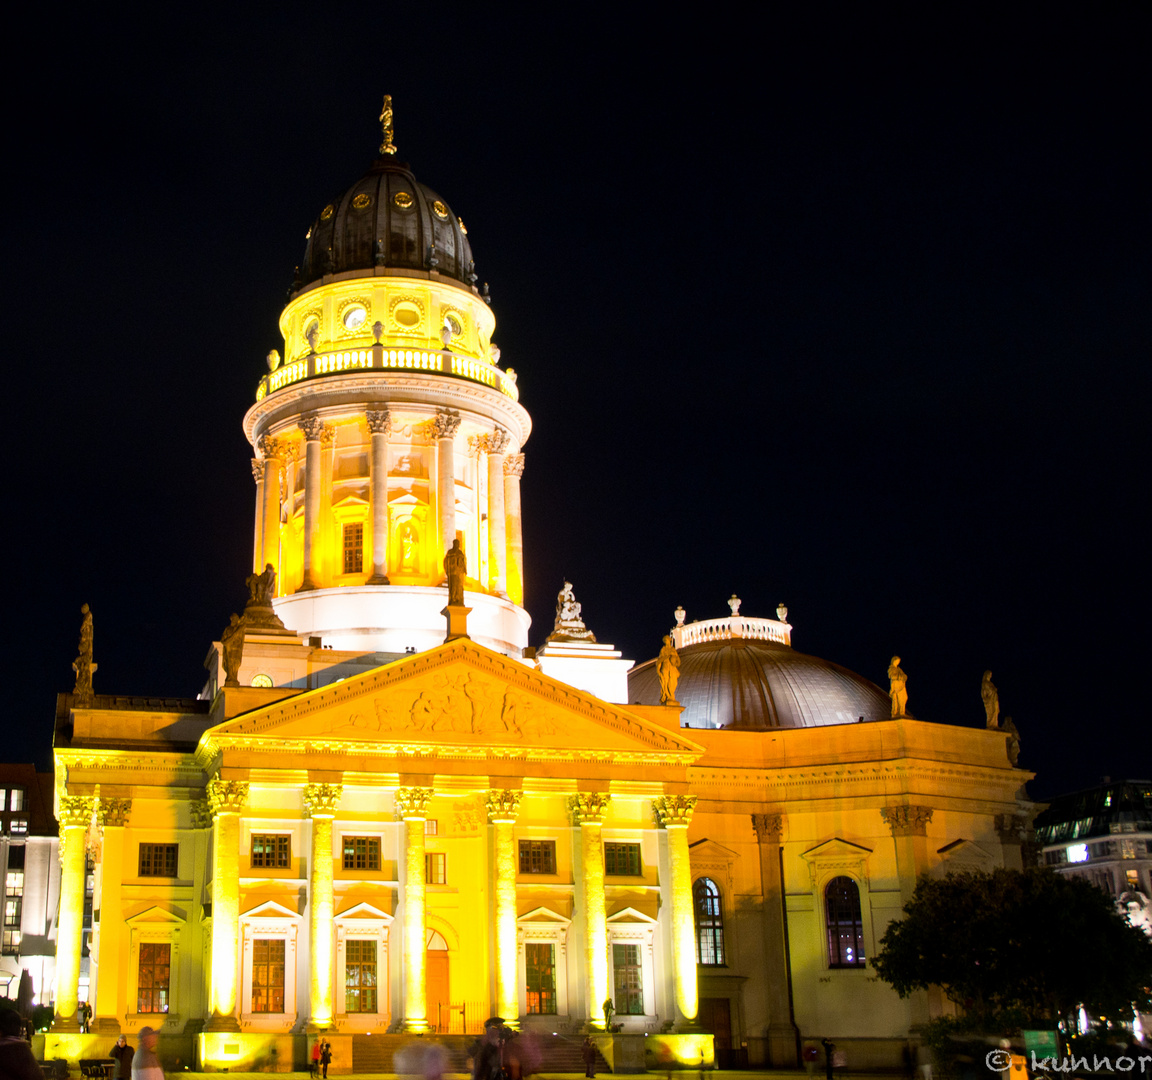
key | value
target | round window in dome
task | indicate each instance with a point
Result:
(403, 200)
(262, 680)
(354, 317)
(452, 321)
(441, 210)
(406, 314)
(327, 212)
(362, 201)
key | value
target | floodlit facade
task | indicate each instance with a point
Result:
(388, 814)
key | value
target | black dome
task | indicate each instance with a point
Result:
(756, 685)
(389, 219)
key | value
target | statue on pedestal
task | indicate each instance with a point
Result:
(569, 626)
(898, 688)
(455, 570)
(668, 671)
(1012, 743)
(991, 698)
(262, 587)
(83, 665)
(232, 644)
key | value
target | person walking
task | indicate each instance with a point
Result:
(121, 1054)
(314, 1060)
(145, 1063)
(588, 1052)
(325, 1058)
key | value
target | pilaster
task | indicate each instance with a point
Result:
(674, 813)
(113, 815)
(75, 816)
(783, 1036)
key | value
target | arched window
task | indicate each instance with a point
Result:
(845, 929)
(709, 922)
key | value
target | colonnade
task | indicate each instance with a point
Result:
(226, 800)
(505, 550)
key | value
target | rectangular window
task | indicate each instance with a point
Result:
(18, 826)
(359, 976)
(268, 975)
(17, 802)
(354, 548)
(622, 859)
(629, 989)
(361, 853)
(155, 976)
(273, 852)
(436, 868)
(13, 906)
(537, 856)
(158, 860)
(540, 971)
(431, 827)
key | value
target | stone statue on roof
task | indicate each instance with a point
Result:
(991, 699)
(898, 688)
(569, 626)
(455, 570)
(232, 645)
(83, 665)
(668, 671)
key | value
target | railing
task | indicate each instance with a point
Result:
(733, 626)
(379, 358)
(463, 1018)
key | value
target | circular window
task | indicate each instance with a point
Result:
(362, 201)
(441, 210)
(406, 314)
(354, 317)
(327, 212)
(403, 200)
(452, 321)
(262, 680)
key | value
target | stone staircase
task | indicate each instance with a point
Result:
(403, 1054)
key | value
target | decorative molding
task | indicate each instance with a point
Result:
(503, 805)
(114, 813)
(226, 796)
(258, 470)
(768, 828)
(445, 424)
(75, 811)
(514, 465)
(494, 442)
(587, 807)
(674, 811)
(201, 814)
(313, 427)
(412, 802)
(907, 820)
(321, 800)
(379, 421)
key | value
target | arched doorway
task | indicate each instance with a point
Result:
(436, 999)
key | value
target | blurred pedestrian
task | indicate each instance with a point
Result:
(121, 1054)
(588, 1052)
(16, 1058)
(314, 1058)
(145, 1063)
(325, 1058)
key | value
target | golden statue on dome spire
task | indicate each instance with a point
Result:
(386, 146)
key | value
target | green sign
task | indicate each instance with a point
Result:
(1043, 1043)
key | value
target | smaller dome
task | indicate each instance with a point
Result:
(387, 219)
(742, 678)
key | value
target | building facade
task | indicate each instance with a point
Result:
(387, 814)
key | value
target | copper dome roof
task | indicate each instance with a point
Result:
(756, 685)
(387, 219)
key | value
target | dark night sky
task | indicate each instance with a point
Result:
(850, 313)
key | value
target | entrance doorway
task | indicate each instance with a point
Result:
(715, 1015)
(436, 980)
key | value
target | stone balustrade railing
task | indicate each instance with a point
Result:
(732, 626)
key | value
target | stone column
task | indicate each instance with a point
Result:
(113, 816)
(379, 424)
(588, 812)
(783, 1036)
(412, 807)
(276, 452)
(909, 825)
(674, 812)
(313, 429)
(320, 802)
(257, 528)
(75, 816)
(503, 807)
(445, 427)
(496, 443)
(513, 470)
(226, 798)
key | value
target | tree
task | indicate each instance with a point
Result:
(1012, 941)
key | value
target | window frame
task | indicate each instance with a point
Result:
(834, 927)
(154, 949)
(355, 529)
(713, 928)
(267, 963)
(155, 868)
(532, 848)
(634, 962)
(372, 848)
(529, 948)
(432, 860)
(279, 860)
(618, 848)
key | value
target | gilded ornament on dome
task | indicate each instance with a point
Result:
(463, 228)
(386, 146)
(327, 212)
(403, 200)
(362, 201)
(440, 210)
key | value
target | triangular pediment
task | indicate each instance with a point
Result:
(270, 910)
(459, 700)
(630, 915)
(964, 855)
(543, 915)
(363, 911)
(154, 916)
(708, 851)
(836, 848)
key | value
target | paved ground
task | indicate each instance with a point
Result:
(677, 1074)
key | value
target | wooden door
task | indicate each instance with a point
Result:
(715, 1015)
(436, 986)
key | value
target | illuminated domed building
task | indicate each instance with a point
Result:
(386, 814)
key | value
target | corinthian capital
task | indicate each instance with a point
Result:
(258, 469)
(768, 827)
(226, 796)
(446, 424)
(113, 813)
(674, 811)
(321, 800)
(907, 820)
(503, 805)
(514, 465)
(75, 811)
(412, 802)
(379, 421)
(588, 807)
(494, 442)
(313, 428)
(272, 447)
